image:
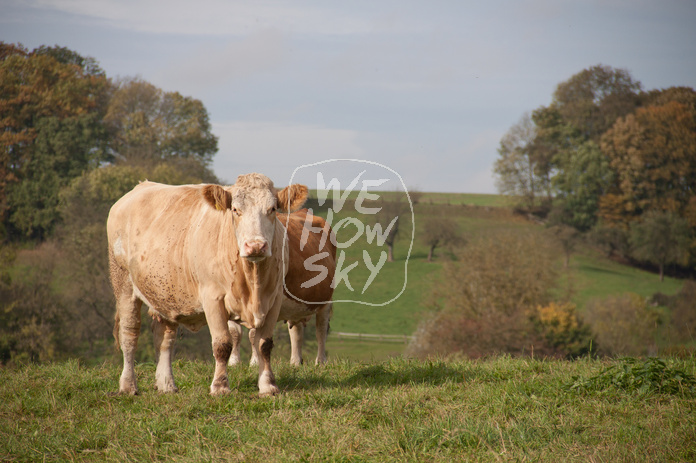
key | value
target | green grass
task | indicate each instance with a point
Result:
(499, 409)
(591, 275)
(596, 276)
(470, 199)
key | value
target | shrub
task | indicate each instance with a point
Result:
(651, 376)
(483, 300)
(623, 325)
(684, 313)
(562, 329)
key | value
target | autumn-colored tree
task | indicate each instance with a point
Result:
(565, 145)
(653, 153)
(439, 232)
(51, 104)
(683, 95)
(148, 125)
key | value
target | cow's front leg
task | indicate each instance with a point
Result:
(216, 315)
(164, 334)
(236, 334)
(264, 338)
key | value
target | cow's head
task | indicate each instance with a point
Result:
(253, 203)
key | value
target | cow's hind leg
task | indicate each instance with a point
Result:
(164, 334)
(254, 360)
(127, 326)
(323, 317)
(296, 331)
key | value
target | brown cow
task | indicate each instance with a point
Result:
(308, 285)
(198, 254)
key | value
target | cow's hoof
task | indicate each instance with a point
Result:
(220, 388)
(167, 390)
(269, 391)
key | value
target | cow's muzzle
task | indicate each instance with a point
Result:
(255, 250)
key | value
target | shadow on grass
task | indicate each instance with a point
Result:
(381, 375)
(593, 269)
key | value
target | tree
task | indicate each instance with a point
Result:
(46, 90)
(520, 170)
(567, 139)
(653, 153)
(441, 231)
(148, 125)
(62, 150)
(593, 99)
(568, 239)
(660, 238)
(393, 212)
(583, 177)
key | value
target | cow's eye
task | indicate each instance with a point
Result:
(236, 211)
(272, 210)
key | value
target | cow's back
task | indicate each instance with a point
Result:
(149, 232)
(321, 291)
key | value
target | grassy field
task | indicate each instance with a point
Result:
(590, 275)
(499, 409)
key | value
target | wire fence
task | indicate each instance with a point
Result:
(373, 337)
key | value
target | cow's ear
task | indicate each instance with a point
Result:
(292, 198)
(217, 197)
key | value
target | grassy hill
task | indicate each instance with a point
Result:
(494, 410)
(590, 274)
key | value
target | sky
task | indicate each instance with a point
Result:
(425, 88)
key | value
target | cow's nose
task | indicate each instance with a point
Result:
(255, 248)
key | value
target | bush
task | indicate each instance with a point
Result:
(32, 315)
(562, 329)
(684, 313)
(623, 325)
(483, 302)
(651, 376)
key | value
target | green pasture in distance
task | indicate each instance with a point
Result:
(590, 274)
(470, 199)
(594, 276)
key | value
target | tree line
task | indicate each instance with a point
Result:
(73, 142)
(611, 160)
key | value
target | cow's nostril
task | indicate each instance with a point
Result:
(255, 248)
